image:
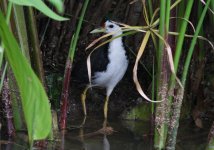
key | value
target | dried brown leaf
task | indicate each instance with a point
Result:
(170, 57)
(135, 78)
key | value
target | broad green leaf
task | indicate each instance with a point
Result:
(58, 4)
(34, 99)
(40, 5)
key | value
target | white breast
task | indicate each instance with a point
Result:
(116, 68)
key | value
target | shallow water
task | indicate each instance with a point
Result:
(128, 135)
(121, 139)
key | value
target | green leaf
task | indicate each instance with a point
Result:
(58, 4)
(40, 5)
(34, 99)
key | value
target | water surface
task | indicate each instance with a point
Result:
(127, 135)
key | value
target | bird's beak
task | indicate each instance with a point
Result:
(98, 30)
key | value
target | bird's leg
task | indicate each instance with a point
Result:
(106, 107)
(105, 123)
(83, 122)
(83, 97)
(81, 132)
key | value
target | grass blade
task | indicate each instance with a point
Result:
(40, 5)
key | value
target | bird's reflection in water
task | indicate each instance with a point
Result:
(106, 144)
(96, 140)
(96, 144)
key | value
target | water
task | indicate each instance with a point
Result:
(128, 135)
(121, 139)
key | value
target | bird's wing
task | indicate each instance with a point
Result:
(99, 59)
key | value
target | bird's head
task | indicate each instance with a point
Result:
(109, 27)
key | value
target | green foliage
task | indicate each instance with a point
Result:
(75, 36)
(182, 32)
(139, 112)
(212, 13)
(161, 127)
(69, 61)
(21, 30)
(40, 5)
(210, 145)
(58, 4)
(34, 99)
(193, 42)
(54, 84)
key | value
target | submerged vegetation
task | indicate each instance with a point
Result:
(169, 42)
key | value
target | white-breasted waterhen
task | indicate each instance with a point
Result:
(114, 67)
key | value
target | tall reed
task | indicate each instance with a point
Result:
(174, 122)
(163, 72)
(68, 67)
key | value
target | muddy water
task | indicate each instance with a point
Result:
(127, 135)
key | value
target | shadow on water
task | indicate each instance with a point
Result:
(127, 135)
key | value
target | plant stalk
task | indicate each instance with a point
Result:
(162, 79)
(7, 108)
(68, 68)
(21, 30)
(179, 95)
(36, 58)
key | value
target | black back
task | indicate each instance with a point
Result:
(99, 59)
(99, 62)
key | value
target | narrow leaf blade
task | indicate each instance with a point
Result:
(40, 5)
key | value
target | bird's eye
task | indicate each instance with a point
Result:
(111, 26)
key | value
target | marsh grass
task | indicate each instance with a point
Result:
(168, 87)
(169, 92)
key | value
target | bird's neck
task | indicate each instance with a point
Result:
(118, 33)
(116, 45)
(116, 40)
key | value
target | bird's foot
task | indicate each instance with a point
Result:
(106, 129)
(83, 122)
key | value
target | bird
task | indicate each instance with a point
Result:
(110, 66)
